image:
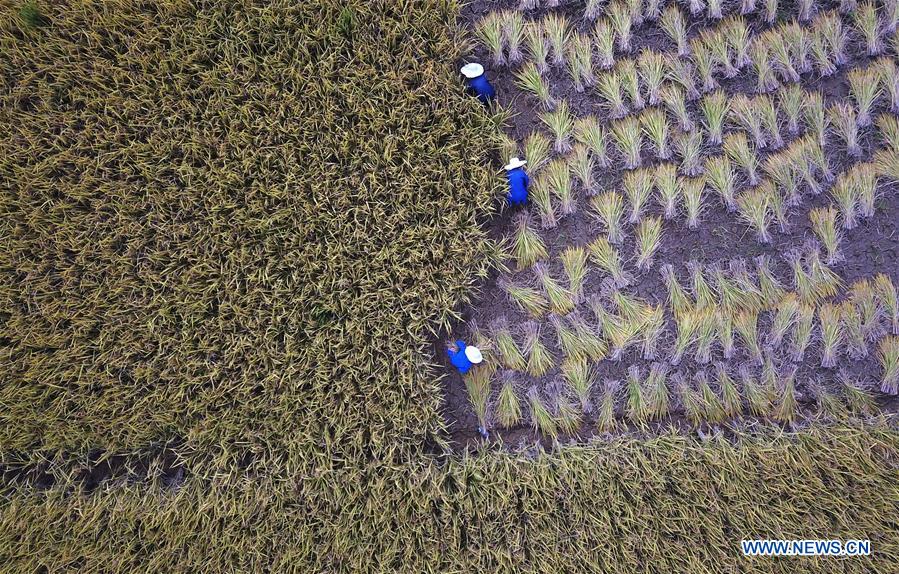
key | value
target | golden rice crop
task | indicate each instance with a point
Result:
(216, 235)
(207, 233)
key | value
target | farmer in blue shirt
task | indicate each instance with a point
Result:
(476, 80)
(518, 182)
(463, 357)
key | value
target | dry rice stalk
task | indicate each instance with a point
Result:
(702, 291)
(667, 185)
(831, 334)
(574, 261)
(652, 73)
(541, 419)
(867, 22)
(605, 421)
(581, 165)
(490, 31)
(824, 224)
(675, 100)
(714, 410)
(675, 25)
(513, 30)
(526, 298)
(888, 298)
(791, 101)
(608, 86)
(725, 332)
(509, 354)
(657, 399)
(842, 117)
(689, 145)
(560, 299)
(539, 193)
(864, 296)
(755, 209)
(888, 353)
(604, 40)
(746, 324)
(556, 29)
(620, 18)
(690, 400)
(561, 123)
(864, 87)
(715, 108)
(856, 344)
(693, 189)
(858, 399)
(508, 408)
(637, 410)
(784, 317)
(825, 282)
(688, 323)
(588, 132)
(802, 332)
(730, 396)
(889, 77)
(799, 41)
(627, 135)
(630, 81)
(609, 207)
(763, 67)
(888, 128)
(785, 410)
(705, 335)
(638, 186)
(720, 176)
(770, 287)
(540, 359)
(558, 177)
(529, 79)
(536, 151)
(580, 61)
(527, 246)
(649, 235)
(608, 258)
(756, 396)
(678, 299)
(704, 61)
(538, 47)
(652, 330)
(864, 178)
(655, 126)
(579, 377)
(738, 150)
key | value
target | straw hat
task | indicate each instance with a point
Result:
(473, 354)
(472, 70)
(513, 163)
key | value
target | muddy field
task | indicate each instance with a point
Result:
(868, 249)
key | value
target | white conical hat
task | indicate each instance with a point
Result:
(513, 163)
(473, 354)
(472, 70)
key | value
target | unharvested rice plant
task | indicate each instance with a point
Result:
(236, 236)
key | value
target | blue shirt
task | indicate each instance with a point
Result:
(458, 358)
(482, 88)
(518, 186)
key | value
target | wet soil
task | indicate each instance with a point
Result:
(870, 248)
